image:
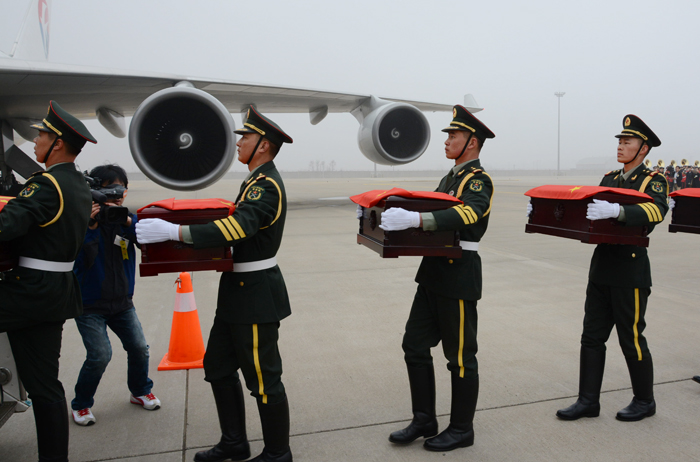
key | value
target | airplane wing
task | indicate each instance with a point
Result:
(26, 87)
(171, 112)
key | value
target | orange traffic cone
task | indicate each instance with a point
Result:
(186, 350)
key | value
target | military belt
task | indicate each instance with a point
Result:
(46, 265)
(466, 245)
(259, 265)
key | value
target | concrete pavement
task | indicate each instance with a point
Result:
(341, 348)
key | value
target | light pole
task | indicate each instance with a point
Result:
(558, 94)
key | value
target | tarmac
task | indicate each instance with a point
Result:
(343, 365)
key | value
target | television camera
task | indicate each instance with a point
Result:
(108, 214)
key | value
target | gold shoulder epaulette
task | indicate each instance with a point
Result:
(612, 172)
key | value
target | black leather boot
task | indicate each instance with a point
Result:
(592, 366)
(424, 423)
(696, 378)
(231, 410)
(274, 419)
(52, 431)
(643, 404)
(460, 432)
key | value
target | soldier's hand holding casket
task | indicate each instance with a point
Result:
(529, 207)
(152, 230)
(600, 210)
(360, 211)
(396, 219)
(671, 203)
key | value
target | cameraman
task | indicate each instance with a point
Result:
(105, 268)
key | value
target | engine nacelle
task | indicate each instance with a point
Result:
(182, 138)
(391, 133)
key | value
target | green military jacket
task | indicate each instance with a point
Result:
(628, 265)
(255, 231)
(460, 278)
(47, 221)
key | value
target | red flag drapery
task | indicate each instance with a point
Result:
(688, 192)
(4, 200)
(192, 204)
(564, 192)
(372, 198)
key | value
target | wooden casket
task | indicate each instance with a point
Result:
(412, 241)
(685, 217)
(176, 256)
(8, 258)
(559, 210)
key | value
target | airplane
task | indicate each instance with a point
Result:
(181, 134)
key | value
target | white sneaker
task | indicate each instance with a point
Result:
(84, 417)
(149, 401)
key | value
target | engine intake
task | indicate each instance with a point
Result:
(391, 133)
(182, 138)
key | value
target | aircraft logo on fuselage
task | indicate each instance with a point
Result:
(44, 25)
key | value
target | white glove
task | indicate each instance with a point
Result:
(671, 203)
(152, 230)
(529, 208)
(360, 211)
(600, 210)
(396, 219)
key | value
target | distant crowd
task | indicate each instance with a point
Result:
(680, 176)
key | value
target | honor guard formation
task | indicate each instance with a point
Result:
(75, 262)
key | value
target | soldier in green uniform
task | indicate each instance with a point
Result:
(444, 307)
(46, 224)
(619, 282)
(252, 299)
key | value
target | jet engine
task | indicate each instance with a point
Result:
(391, 133)
(182, 138)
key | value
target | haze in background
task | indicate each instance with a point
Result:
(611, 58)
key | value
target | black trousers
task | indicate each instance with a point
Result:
(36, 347)
(252, 348)
(621, 307)
(435, 318)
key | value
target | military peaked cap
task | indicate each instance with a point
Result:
(67, 127)
(258, 123)
(463, 120)
(634, 127)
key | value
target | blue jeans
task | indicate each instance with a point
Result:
(93, 329)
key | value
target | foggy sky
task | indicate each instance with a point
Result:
(610, 57)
